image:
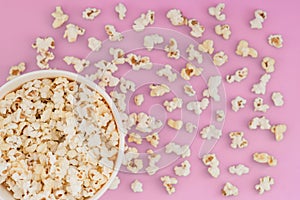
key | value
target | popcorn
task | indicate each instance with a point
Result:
(217, 11)
(194, 54)
(139, 99)
(259, 105)
(260, 87)
(118, 55)
(72, 31)
(172, 49)
(238, 140)
(220, 115)
(268, 64)
(265, 158)
(168, 183)
(135, 165)
(207, 46)
(275, 40)
(42, 45)
(146, 123)
(277, 99)
(189, 127)
(16, 70)
(107, 79)
(143, 21)
(115, 183)
(239, 169)
(137, 62)
(176, 124)
(210, 132)
(121, 10)
(190, 70)
(167, 72)
(136, 138)
(78, 64)
(230, 190)
(223, 30)
(183, 151)
(213, 85)
(197, 106)
(90, 13)
(153, 159)
(158, 90)
(265, 184)
(119, 100)
(153, 139)
(244, 50)
(238, 76)
(137, 186)
(238, 103)
(212, 162)
(174, 104)
(151, 40)
(126, 85)
(94, 44)
(220, 58)
(278, 131)
(261, 122)
(197, 29)
(260, 17)
(183, 169)
(188, 89)
(176, 18)
(113, 34)
(59, 17)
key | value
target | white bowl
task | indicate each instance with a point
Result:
(18, 81)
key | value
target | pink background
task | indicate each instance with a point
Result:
(22, 21)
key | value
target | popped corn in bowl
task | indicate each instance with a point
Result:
(60, 137)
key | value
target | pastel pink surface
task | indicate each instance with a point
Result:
(23, 21)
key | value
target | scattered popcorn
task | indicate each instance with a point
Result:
(169, 183)
(213, 85)
(135, 165)
(220, 115)
(143, 21)
(172, 49)
(139, 99)
(16, 70)
(279, 131)
(190, 70)
(136, 138)
(151, 40)
(146, 123)
(126, 85)
(94, 44)
(121, 10)
(260, 17)
(244, 50)
(230, 190)
(217, 11)
(194, 54)
(238, 103)
(118, 55)
(42, 60)
(72, 31)
(59, 17)
(275, 40)
(277, 99)
(238, 76)
(137, 62)
(265, 184)
(176, 124)
(90, 13)
(259, 105)
(176, 18)
(173, 104)
(184, 169)
(197, 29)
(42, 45)
(239, 169)
(210, 132)
(107, 79)
(137, 186)
(115, 183)
(220, 58)
(79, 64)
(189, 127)
(119, 100)
(207, 46)
(261, 122)
(260, 87)
(198, 106)
(153, 159)
(153, 139)
(268, 64)
(158, 90)
(113, 34)
(188, 89)
(167, 72)
(265, 158)
(212, 162)
(223, 30)
(238, 140)
(183, 151)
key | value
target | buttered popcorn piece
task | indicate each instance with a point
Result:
(261, 86)
(72, 32)
(43, 45)
(210, 132)
(139, 99)
(238, 76)
(144, 20)
(94, 44)
(16, 70)
(198, 106)
(78, 64)
(59, 17)
(173, 104)
(220, 58)
(90, 13)
(239, 169)
(217, 11)
(279, 130)
(212, 162)
(194, 54)
(175, 124)
(223, 30)
(265, 184)
(176, 17)
(113, 34)
(121, 10)
(119, 100)
(188, 89)
(265, 158)
(138, 62)
(238, 103)
(42, 59)
(184, 169)
(207, 46)
(260, 17)
(197, 29)
(168, 183)
(146, 123)
(157, 90)
(183, 151)
(277, 99)
(153, 139)
(134, 137)
(151, 40)
(172, 49)
(230, 190)
(259, 105)
(167, 72)
(259, 122)
(220, 115)
(135, 165)
(137, 186)
(190, 127)
(244, 50)
(275, 40)
(126, 85)
(115, 183)
(268, 64)
(118, 55)
(190, 70)
(238, 140)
